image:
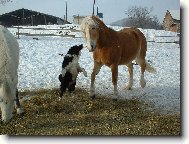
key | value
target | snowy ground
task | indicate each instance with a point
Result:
(40, 65)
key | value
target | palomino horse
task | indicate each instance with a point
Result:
(113, 48)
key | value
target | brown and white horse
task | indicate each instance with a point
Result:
(113, 48)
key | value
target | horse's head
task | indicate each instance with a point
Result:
(90, 28)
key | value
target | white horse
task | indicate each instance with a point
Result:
(9, 61)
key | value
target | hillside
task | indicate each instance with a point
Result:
(119, 22)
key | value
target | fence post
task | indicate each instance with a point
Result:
(18, 33)
(78, 19)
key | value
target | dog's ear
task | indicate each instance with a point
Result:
(60, 77)
(80, 46)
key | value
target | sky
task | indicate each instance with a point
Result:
(112, 10)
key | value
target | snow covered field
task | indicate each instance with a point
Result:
(40, 65)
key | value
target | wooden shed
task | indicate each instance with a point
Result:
(171, 21)
(28, 17)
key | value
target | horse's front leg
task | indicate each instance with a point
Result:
(114, 69)
(19, 108)
(130, 83)
(96, 70)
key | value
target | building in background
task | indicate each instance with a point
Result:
(28, 17)
(171, 21)
(77, 19)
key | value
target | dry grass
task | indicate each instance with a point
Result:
(77, 114)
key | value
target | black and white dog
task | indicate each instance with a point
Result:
(70, 69)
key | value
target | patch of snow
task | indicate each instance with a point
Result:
(40, 65)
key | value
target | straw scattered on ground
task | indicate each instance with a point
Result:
(78, 114)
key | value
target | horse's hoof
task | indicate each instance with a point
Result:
(60, 98)
(93, 96)
(128, 88)
(143, 84)
(115, 97)
(20, 111)
(21, 114)
(6, 121)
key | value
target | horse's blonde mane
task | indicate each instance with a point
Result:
(93, 21)
(88, 21)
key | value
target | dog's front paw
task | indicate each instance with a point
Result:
(63, 72)
(84, 72)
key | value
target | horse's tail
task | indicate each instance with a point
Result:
(150, 68)
(142, 51)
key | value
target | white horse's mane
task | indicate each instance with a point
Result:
(88, 22)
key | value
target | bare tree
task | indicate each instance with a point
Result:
(141, 17)
(3, 2)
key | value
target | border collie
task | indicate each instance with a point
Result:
(70, 69)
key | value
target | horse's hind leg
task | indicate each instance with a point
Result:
(130, 83)
(7, 107)
(142, 80)
(6, 102)
(142, 64)
(18, 106)
(96, 70)
(114, 69)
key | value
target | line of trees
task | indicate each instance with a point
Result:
(141, 17)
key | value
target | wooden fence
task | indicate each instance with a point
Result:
(45, 32)
(71, 32)
(167, 39)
